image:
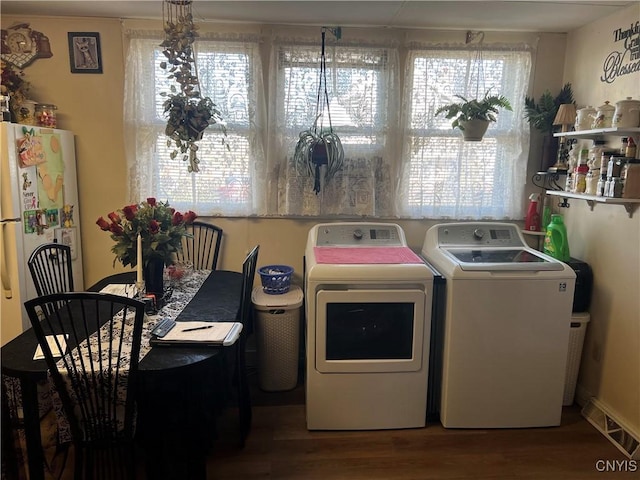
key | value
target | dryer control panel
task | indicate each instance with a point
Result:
(481, 234)
(359, 234)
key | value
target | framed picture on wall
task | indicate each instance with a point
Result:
(84, 52)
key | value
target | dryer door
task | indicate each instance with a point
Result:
(370, 330)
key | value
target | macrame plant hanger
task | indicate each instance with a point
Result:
(318, 146)
(478, 64)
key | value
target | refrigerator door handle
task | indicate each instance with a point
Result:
(7, 291)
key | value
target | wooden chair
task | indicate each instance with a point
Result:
(203, 249)
(51, 270)
(96, 382)
(245, 317)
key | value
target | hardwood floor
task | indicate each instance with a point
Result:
(280, 447)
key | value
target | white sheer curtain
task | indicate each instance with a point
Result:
(363, 87)
(442, 176)
(231, 181)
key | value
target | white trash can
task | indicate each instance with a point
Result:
(277, 327)
(576, 341)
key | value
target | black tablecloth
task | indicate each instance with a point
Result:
(180, 388)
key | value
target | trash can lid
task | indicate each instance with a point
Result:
(291, 299)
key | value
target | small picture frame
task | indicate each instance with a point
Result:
(84, 52)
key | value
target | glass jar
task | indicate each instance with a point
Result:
(580, 180)
(592, 182)
(4, 108)
(46, 115)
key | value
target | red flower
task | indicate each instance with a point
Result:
(116, 229)
(160, 225)
(103, 224)
(177, 218)
(189, 217)
(154, 227)
(130, 212)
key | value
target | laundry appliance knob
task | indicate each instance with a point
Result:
(478, 234)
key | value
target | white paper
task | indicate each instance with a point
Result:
(223, 333)
(122, 289)
(62, 339)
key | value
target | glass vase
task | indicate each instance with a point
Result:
(153, 277)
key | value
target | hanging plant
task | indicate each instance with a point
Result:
(473, 116)
(318, 146)
(188, 112)
(466, 112)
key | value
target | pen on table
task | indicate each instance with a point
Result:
(197, 328)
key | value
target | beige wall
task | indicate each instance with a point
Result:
(91, 106)
(607, 238)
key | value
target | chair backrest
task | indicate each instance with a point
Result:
(248, 276)
(96, 376)
(51, 268)
(203, 248)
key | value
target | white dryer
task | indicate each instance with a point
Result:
(368, 309)
(507, 323)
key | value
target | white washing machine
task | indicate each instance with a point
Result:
(368, 310)
(507, 324)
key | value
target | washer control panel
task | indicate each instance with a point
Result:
(359, 234)
(481, 234)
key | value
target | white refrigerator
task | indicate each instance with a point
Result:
(39, 193)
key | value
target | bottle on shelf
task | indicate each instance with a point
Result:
(623, 145)
(600, 186)
(630, 150)
(580, 180)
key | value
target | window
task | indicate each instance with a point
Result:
(362, 100)
(229, 178)
(400, 160)
(443, 176)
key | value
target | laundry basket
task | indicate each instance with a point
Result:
(576, 342)
(277, 322)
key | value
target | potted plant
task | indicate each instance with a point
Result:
(318, 145)
(161, 229)
(541, 116)
(473, 117)
(188, 113)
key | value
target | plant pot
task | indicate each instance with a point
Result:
(153, 277)
(474, 129)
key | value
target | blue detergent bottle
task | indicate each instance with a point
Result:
(556, 243)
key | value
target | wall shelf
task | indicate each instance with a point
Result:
(630, 204)
(603, 132)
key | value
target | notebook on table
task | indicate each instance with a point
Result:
(200, 333)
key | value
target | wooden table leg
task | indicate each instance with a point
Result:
(32, 429)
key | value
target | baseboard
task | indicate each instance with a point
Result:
(607, 423)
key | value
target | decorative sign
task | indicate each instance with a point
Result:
(21, 45)
(623, 62)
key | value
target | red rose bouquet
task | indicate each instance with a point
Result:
(160, 226)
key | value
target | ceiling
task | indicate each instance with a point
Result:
(512, 15)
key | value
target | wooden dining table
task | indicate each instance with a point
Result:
(180, 389)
